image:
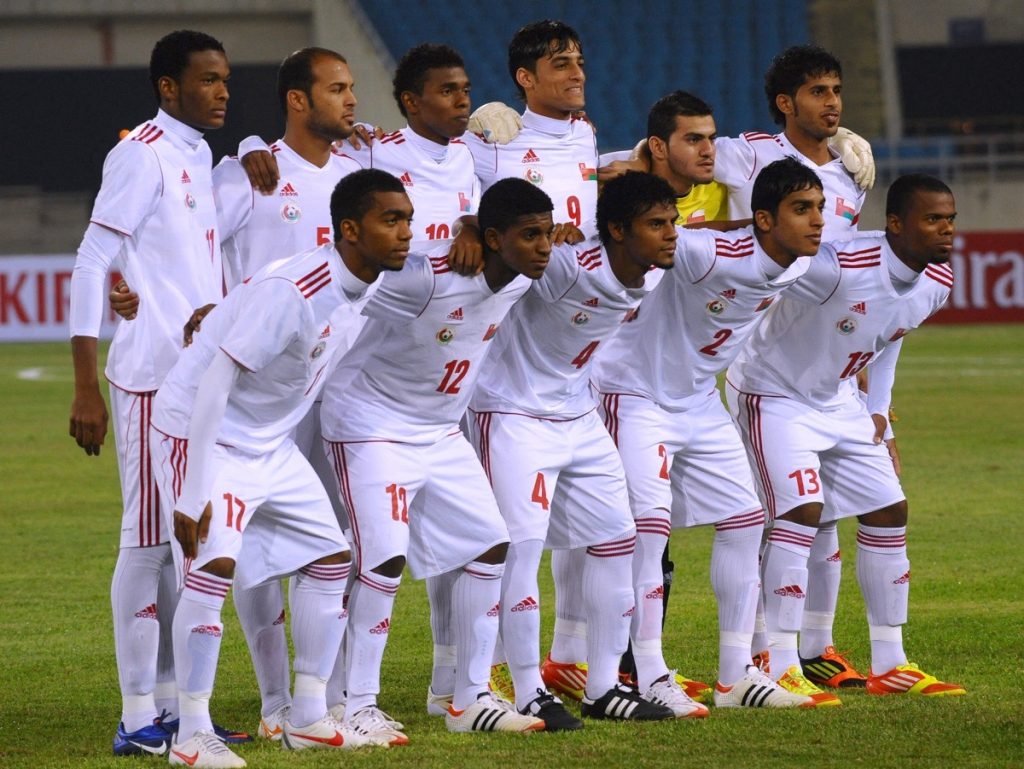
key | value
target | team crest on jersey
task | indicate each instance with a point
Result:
(190, 202)
(765, 304)
(846, 326)
(899, 334)
(490, 332)
(318, 350)
(445, 335)
(580, 318)
(716, 306)
(291, 213)
(534, 176)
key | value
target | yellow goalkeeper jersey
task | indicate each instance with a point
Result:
(703, 203)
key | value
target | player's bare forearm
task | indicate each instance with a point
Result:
(88, 422)
(894, 455)
(617, 168)
(466, 256)
(567, 232)
(194, 322)
(721, 226)
(124, 301)
(190, 533)
(261, 168)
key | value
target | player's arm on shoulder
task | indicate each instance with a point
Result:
(562, 272)
(695, 253)
(260, 164)
(821, 278)
(234, 196)
(734, 161)
(404, 294)
(466, 255)
(192, 509)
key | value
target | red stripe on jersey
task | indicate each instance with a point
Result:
(753, 136)
(395, 137)
(144, 132)
(153, 137)
(483, 426)
(441, 269)
(872, 250)
(312, 276)
(589, 260)
(734, 245)
(940, 277)
(456, 141)
(858, 265)
(315, 380)
(324, 281)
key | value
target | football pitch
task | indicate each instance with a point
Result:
(961, 433)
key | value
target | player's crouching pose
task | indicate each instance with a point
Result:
(685, 465)
(241, 491)
(817, 446)
(412, 485)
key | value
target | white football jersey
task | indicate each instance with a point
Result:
(439, 180)
(837, 318)
(540, 363)
(738, 162)
(257, 229)
(559, 156)
(410, 373)
(285, 328)
(692, 325)
(157, 191)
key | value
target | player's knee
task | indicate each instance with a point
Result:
(495, 555)
(391, 568)
(807, 514)
(342, 557)
(892, 516)
(220, 567)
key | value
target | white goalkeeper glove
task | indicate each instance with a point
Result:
(496, 122)
(855, 152)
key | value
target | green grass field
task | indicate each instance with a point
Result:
(961, 432)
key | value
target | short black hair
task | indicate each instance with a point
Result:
(794, 67)
(172, 51)
(507, 200)
(353, 195)
(661, 120)
(296, 73)
(411, 73)
(535, 41)
(901, 191)
(779, 179)
(626, 197)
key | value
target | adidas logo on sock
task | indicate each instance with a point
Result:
(280, 618)
(657, 593)
(630, 613)
(210, 630)
(834, 557)
(902, 580)
(382, 627)
(494, 612)
(790, 591)
(148, 613)
(527, 604)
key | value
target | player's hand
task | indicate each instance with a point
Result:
(361, 135)
(123, 300)
(894, 455)
(466, 256)
(495, 122)
(88, 424)
(881, 425)
(191, 533)
(194, 322)
(261, 168)
(855, 152)
(617, 168)
(582, 115)
(567, 232)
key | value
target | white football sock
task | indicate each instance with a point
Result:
(133, 599)
(609, 603)
(337, 684)
(520, 618)
(439, 593)
(883, 572)
(652, 531)
(165, 693)
(318, 623)
(824, 573)
(475, 598)
(197, 636)
(261, 614)
(569, 641)
(784, 587)
(736, 582)
(369, 621)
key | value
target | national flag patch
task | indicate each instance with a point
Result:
(490, 332)
(587, 173)
(765, 304)
(845, 210)
(531, 156)
(465, 204)
(861, 308)
(697, 216)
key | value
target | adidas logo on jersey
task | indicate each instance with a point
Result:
(729, 293)
(148, 613)
(527, 604)
(590, 302)
(326, 332)
(493, 612)
(185, 178)
(790, 591)
(902, 580)
(382, 627)
(834, 557)
(406, 179)
(288, 190)
(531, 156)
(455, 314)
(860, 308)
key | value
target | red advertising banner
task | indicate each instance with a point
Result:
(988, 279)
(35, 298)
